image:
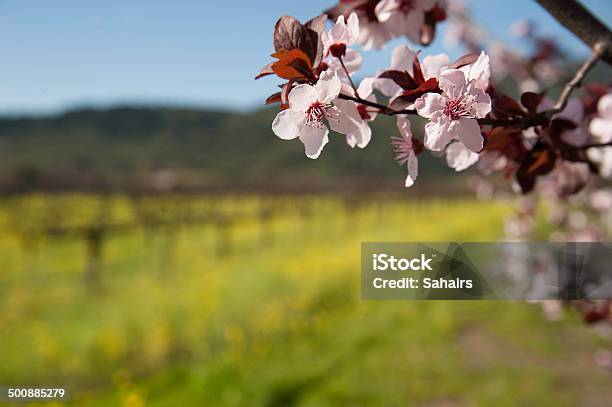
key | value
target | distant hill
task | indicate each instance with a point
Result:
(166, 148)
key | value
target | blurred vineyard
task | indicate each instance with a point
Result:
(254, 300)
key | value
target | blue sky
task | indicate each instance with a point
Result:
(62, 54)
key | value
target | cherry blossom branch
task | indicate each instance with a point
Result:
(598, 51)
(405, 112)
(382, 108)
(386, 110)
(576, 18)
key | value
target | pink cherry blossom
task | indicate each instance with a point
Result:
(479, 72)
(336, 42)
(342, 33)
(406, 148)
(459, 157)
(313, 110)
(453, 114)
(404, 17)
(601, 126)
(357, 130)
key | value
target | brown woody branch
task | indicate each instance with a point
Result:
(576, 18)
(386, 110)
(381, 108)
(520, 122)
(598, 52)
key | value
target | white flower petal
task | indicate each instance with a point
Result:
(348, 121)
(360, 137)
(430, 105)
(352, 29)
(345, 117)
(432, 65)
(366, 87)
(402, 58)
(413, 169)
(287, 124)
(314, 139)
(387, 87)
(482, 102)
(327, 87)
(459, 157)
(301, 97)
(480, 71)
(437, 135)
(338, 32)
(403, 125)
(452, 82)
(468, 132)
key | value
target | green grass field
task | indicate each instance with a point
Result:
(246, 301)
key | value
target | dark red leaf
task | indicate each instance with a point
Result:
(265, 71)
(401, 78)
(417, 71)
(505, 106)
(275, 98)
(531, 101)
(539, 161)
(317, 25)
(506, 140)
(409, 96)
(559, 126)
(290, 34)
(286, 89)
(294, 65)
